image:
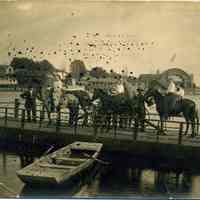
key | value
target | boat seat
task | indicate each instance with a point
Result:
(71, 159)
(56, 166)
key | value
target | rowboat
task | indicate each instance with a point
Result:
(61, 165)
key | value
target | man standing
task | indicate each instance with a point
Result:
(30, 103)
(171, 90)
(170, 99)
(140, 108)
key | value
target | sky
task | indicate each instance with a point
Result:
(139, 37)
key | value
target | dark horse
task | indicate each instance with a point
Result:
(183, 106)
(112, 106)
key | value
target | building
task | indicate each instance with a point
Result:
(61, 73)
(178, 75)
(7, 78)
(91, 83)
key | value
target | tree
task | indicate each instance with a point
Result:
(78, 69)
(98, 72)
(29, 72)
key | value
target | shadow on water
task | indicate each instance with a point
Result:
(124, 177)
(52, 192)
(145, 182)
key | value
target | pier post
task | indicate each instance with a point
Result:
(180, 133)
(6, 116)
(23, 119)
(16, 109)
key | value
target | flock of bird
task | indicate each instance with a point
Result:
(107, 49)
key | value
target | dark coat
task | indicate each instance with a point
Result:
(30, 99)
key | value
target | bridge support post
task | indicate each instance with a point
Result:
(16, 109)
(180, 133)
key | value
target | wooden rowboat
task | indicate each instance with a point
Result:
(61, 165)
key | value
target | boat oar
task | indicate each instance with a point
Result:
(48, 150)
(9, 190)
(98, 160)
(45, 153)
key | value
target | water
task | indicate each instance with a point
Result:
(117, 180)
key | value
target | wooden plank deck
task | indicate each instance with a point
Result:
(121, 134)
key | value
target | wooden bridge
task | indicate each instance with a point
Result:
(15, 130)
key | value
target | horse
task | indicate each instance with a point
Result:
(112, 106)
(183, 106)
(71, 102)
(84, 100)
(54, 99)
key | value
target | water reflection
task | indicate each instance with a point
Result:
(46, 192)
(110, 181)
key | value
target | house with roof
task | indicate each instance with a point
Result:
(7, 78)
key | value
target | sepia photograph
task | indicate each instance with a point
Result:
(99, 99)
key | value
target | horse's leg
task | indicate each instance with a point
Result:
(71, 117)
(49, 117)
(197, 122)
(193, 126)
(85, 118)
(161, 126)
(102, 122)
(187, 126)
(115, 123)
(76, 113)
(108, 122)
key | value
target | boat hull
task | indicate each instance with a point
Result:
(57, 168)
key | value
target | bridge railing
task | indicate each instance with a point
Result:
(118, 125)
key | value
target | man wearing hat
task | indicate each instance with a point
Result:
(140, 108)
(30, 103)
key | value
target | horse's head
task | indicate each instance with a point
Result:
(151, 95)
